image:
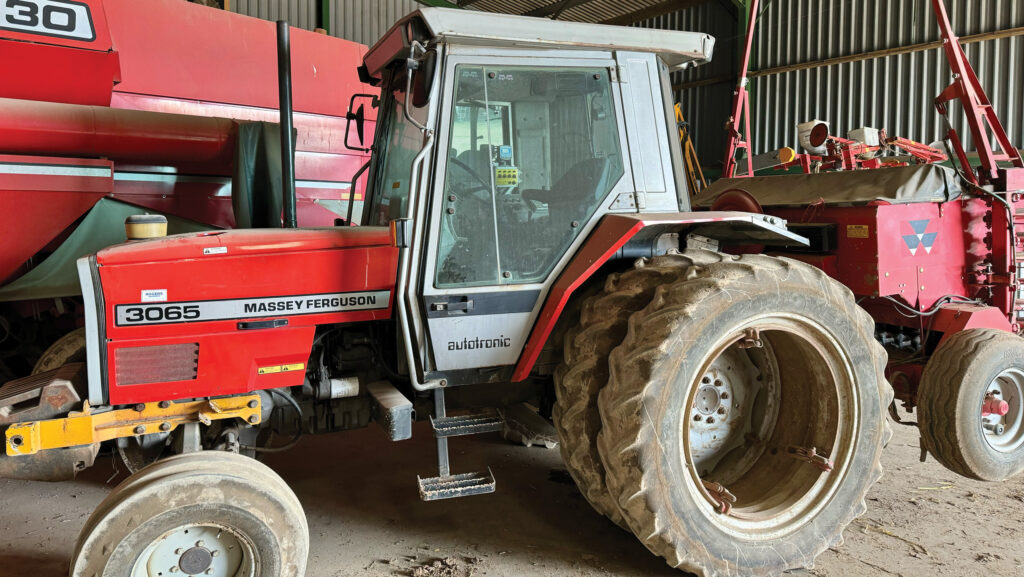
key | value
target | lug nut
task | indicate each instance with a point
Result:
(139, 408)
(718, 382)
(179, 551)
(140, 430)
(706, 380)
(200, 544)
(254, 419)
(724, 395)
(711, 420)
(721, 410)
(164, 404)
(698, 418)
(253, 404)
(165, 427)
(174, 569)
(214, 553)
(209, 571)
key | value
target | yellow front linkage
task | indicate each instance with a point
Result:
(87, 426)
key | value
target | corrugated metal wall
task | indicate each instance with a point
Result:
(299, 13)
(362, 21)
(894, 92)
(365, 21)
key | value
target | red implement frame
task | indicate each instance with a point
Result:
(741, 109)
(979, 111)
(1007, 247)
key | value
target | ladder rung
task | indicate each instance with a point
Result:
(452, 486)
(466, 425)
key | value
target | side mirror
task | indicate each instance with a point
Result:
(359, 116)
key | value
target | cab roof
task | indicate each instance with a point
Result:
(676, 49)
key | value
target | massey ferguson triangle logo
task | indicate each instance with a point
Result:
(915, 234)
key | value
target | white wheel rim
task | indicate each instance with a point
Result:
(1005, 433)
(773, 515)
(203, 549)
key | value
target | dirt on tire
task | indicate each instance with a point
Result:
(637, 407)
(583, 372)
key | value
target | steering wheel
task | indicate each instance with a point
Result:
(484, 185)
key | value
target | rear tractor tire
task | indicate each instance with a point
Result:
(744, 417)
(584, 369)
(207, 513)
(970, 372)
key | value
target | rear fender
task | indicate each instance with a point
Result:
(638, 235)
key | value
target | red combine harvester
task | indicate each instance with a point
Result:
(117, 107)
(935, 255)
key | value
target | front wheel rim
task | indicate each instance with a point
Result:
(206, 549)
(1005, 433)
(793, 491)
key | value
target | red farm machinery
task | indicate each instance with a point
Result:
(935, 254)
(112, 108)
(527, 237)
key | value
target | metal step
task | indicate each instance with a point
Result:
(31, 387)
(452, 486)
(466, 425)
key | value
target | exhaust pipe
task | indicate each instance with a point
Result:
(284, 85)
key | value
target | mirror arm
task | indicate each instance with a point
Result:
(411, 66)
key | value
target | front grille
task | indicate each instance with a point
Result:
(156, 364)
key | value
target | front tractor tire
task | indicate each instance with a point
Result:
(970, 370)
(206, 513)
(744, 415)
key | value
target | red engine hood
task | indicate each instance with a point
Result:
(250, 242)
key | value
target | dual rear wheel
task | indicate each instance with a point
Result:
(734, 409)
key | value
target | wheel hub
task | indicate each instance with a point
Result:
(195, 550)
(720, 416)
(1002, 416)
(195, 561)
(709, 400)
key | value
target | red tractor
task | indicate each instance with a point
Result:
(527, 236)
(936, 255)
(111, 108)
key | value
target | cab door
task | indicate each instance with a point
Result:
(529, 158)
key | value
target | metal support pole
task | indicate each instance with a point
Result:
(442, 442)
(284, 83)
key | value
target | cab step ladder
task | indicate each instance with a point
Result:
(446, 485)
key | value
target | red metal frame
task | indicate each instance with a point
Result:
(981, 117)
(159, 92)
(918, 254)
(741, 108)
(1005, 244)
(29, 224)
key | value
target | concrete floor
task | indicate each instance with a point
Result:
(365, 517)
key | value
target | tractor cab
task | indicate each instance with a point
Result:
(502, 143)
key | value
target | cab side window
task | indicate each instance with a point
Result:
(532, 154)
